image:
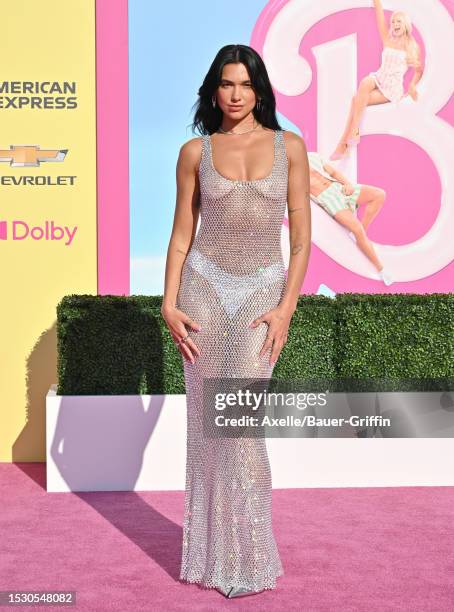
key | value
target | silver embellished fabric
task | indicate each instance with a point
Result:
(233, 273)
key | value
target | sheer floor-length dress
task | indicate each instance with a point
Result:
(233, 273)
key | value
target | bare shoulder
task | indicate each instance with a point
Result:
(191, 151)
(295, 146)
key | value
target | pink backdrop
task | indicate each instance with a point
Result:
(405, 169)
(112, 146)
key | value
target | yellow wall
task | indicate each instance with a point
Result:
(42, 41)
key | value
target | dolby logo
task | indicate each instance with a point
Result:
(48, 231)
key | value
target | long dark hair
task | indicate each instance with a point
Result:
(208, 119)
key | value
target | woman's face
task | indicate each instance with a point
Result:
(235, 95)
(397, 25)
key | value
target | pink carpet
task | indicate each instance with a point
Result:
(342, 549)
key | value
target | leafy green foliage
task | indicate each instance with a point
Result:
(120, 345)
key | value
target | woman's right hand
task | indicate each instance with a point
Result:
(176, 320)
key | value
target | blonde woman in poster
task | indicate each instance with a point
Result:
(400, 51)
(228, 307)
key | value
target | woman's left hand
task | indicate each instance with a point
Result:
(278, 320)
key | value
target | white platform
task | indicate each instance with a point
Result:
(128, 442)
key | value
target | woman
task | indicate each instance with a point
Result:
(333, 192)
(228, 307)
(400, 50)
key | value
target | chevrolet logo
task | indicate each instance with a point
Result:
(31, 155)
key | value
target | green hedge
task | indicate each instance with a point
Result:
(397, 342)
(120, 345)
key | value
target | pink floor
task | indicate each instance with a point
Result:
(342, 549)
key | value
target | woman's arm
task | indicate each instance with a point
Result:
(418, 69)
(381, 21)
(299, 217)
(185, 218)
(183, 233)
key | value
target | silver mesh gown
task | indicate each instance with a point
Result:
(233, 273)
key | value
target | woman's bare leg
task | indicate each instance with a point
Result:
(348, 126)
(373, 198)
(368, 94)
(348, 220)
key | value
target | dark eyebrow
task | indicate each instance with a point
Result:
(231, 82)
